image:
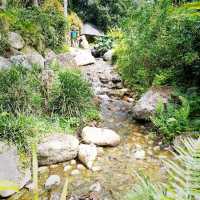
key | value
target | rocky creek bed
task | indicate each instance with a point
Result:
(112, 175)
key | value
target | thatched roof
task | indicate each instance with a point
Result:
(92, 30)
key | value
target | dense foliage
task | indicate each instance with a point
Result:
(103, 13)
(31, 105)
(40, 28)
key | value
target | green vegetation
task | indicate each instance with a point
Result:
(31, 107)
(160, 46)
(184, 182)
(103, 13)
(40, 28)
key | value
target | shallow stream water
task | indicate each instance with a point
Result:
(117, 165)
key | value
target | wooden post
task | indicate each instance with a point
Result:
(65, 7)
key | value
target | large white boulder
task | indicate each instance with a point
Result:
(82, 57)
(87, 154)
(57, 148)
(12, 175)
(33, 57)
(147, 104)
(4, 63)
(15, 40)
(100, 136)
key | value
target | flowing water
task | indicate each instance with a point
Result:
(117, 166)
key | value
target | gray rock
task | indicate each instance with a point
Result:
(83, 42)
(20, 60)
(147, 104)
(108, 55)
(139, 154)
(11, 170)
(67, 168)
(50, 57)
(57, 148)
(82, 57)
(66, 60)
(5, 63)
(87, 154)
(52, 182)
(55, 196)
(33, 57)
(100, 136)
(15, 40)
(75, 172)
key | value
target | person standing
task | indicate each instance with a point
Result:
(74, 36)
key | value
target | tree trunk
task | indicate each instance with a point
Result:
(35, 3)
(3, 4)
(65, 7)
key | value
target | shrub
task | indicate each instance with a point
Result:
(71, 96)
(19, 90)
(159, 38)
(73, 19)
(172, 120)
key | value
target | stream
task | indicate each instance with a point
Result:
(115, 167)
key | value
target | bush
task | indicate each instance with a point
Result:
(71, 96)
(19, 89)
(172, 120)
(160, 38)
(40, 29)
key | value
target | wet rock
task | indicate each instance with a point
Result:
(67, 168)
(11, 170)
(4, 63)
(20, 60)
(52, 182)
(100, 136)
(87, 154)
(108, 56)
(104, 79)
(119, 92)
(96, 187)
(116, 79)
(147, 104)
(75, 172)
(57, 148)
(139, 154)
(33, 57)
(15, 40)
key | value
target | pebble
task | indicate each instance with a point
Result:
(156, 148)
(96, 169)
(53, 166)
(75, 172)
(73, 162)
(52, 181)
(140, 154)
(67, 168)
(80, 167)
(100, 151)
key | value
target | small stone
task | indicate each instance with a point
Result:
(67, 168)
(150, 142)
(52, 181)
(96, 169)
(80, 167)
(73, 162)
(140, 154)
(149, 152)
(96, 187)
(55, 196)
(156, 148)
(53, 166)
(43, 170)
(75, 172)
